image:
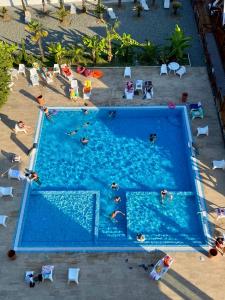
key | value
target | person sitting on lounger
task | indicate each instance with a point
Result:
(147, 89)
(115, 213)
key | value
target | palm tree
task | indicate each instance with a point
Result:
(58, 52)
(62, 15)
(111, 34)
(96, 45)
(84, 7)
(178, 43)
(149, 54)
(76, 55)
(38, 32)
(61, 4)
(126, 47)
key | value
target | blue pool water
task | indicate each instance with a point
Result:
(119, 150)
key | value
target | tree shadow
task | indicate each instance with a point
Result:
(28, 95)
(14, 138)
(7, 121)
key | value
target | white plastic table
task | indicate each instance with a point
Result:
(173, 66)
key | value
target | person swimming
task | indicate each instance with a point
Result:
(117, 199)
(86, 124)
(47, 113)
(72, 132)
(84, 111)
(112, 114)
(114, 186)
(84, 141)
(152, 137)
(115, 213)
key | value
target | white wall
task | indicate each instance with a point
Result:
(31, 2)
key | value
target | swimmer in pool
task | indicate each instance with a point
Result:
(72, 132)
(115, 213)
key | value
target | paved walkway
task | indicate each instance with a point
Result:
(110, 276)
(155, 25)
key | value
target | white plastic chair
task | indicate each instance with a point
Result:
(73, 10)
(181, 71)
(139, 85)
(6, 191)
(56, 69)
(111, 13)
(73, 275)
(219, 164)
(10, 85)
(127, 72)
(3, 220)
(34, 77)
(14, 74)
(163, 69)
(22, 69)
(203, 130)
(16, 174)
(47, 272)
(144, 5)
(166, 3)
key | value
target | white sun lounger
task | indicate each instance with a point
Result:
(160, 269)
(34, 77)
(56, 69)
(129, 95)
(73, 275)
(3, 220)
(22, 69)
(139, 85)
(163, 69)
(219, 164)
(47, 272)
(29, 276)
(166, 3)
(6, 191)
(203, 130)
(127, 72)
(16, 174)
(144, 5)
(111, 13)
(181, 71)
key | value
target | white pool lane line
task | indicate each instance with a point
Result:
(198, 184)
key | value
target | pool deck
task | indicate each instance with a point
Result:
(108, 275)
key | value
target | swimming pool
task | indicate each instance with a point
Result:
(70, 210)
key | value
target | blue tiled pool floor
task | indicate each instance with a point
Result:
(72, 207)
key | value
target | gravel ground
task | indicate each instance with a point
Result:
(155, 25)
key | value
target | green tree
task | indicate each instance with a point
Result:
(38, 33)
(176, 5)
(149, 53)
(76, 55)
(58, 52)
(99, 10)
(138, 8)
(62, 15)
(84, 7)
(178, 43)
(96, 46)
(6, 63)
(126, 47)
(111, 34)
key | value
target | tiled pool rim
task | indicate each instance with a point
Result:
(197, 180)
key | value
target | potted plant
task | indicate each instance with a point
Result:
(176, 5)
(138, 9)
(213, 252)
(184, 97)
(5, 15)
(63, 15)
(12, 254)
(99, 10)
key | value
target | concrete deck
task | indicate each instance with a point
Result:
(111, 276)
